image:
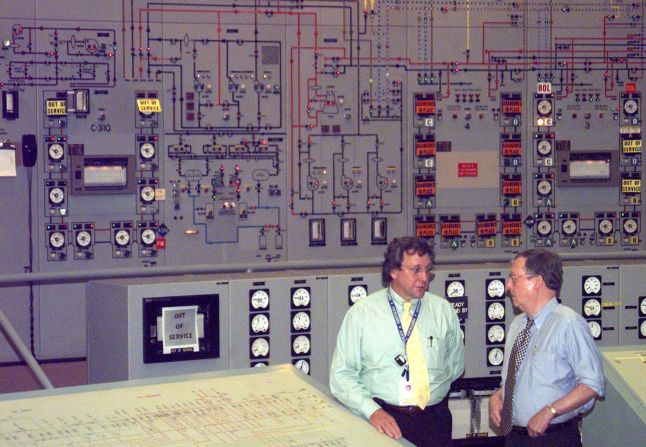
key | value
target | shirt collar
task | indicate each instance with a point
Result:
(398, 300)
(544, 312)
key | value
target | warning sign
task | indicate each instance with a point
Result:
(152, 105)
(179, 329)
(467, 169)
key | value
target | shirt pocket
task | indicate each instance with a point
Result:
(435, 350)
(545, 367)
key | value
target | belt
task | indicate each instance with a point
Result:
(409, 410)
(550, 428)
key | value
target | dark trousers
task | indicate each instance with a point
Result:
(568, 436)
(429, 428)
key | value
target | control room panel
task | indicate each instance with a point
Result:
(176, 133)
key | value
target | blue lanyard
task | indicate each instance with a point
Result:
(398, 322)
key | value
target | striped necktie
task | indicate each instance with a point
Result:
(416, 362)
(515, 360)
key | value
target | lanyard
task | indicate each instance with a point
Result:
(398, 322)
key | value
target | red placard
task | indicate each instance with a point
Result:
(467, 169)
(631, 87)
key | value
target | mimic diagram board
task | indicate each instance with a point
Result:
(180, 133)
(276, 407)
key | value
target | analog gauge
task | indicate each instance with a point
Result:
(259, 299)
(544, 147)
(630, 106)
(544, 187)
(544, 107)
(303, 365)
(569, 227)
(592, 308)
(259, 323)
(642, 328)
(496, 333)
(301, 345)
(495, 357)
(630, 226)
(455, 289)
(55, 152)
(642, 305)
(147, 151)
(122, 238)
(259, 365)
(496, 288)
(544, 227)
(592, 285)
(595, 329)
(57, 239)
(56, 196)
(357, 293)
(147, 193)
(605, 226)
(301, 321)
(260, 347)
(301, 297)
(148, 236)
(496, 311)
(83, 238)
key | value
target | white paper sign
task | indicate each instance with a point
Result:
(179, 329)
(7, 163)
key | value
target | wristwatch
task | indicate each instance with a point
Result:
(552, 410)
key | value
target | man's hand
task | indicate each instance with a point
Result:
(537, 425)
(385, 424)
(495, 409)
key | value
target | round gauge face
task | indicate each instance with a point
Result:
(630, 226)
(544, 227)
(56, 196)
(57, 239)
(544, 147)
(592, 308)
(496, 289)
(357, 293)
(595, 329)
(55, 152)
(148, 236)
(455, 289)
(544, 107)
(605, 226)
(259, 365)
(147, 151)
(303, 365)
(259, 324)
(496, 333)
(630, 106)
(301, 297)
(592, 285)
(569, 227)
(642, 328)
(122, 238)
(259, 299)
(301, 345)
(642, 306)
(83, 238)
(544, 187)
(260, 347)
(495, 357)
(496, 311)
(301, 321)
(147, 193)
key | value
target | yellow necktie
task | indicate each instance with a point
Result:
(416, 362)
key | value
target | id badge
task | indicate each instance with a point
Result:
(405, 392)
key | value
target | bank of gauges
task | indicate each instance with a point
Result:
(642, 317)
(495, 319)
(455, 293)
(259, 327)
(301, 325)
(591, 304)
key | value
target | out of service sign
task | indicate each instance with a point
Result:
(179, 329)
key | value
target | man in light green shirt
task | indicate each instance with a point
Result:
(370, 372)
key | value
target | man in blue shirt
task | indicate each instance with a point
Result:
(399, 349)
(553, 371)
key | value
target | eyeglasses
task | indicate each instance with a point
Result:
(418, 270)
(513, 277)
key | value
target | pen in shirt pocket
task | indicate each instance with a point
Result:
(429, 341)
